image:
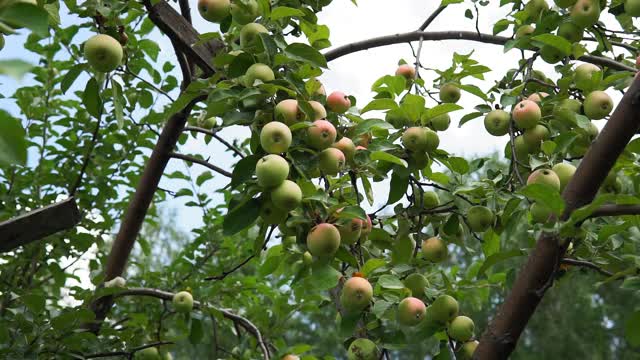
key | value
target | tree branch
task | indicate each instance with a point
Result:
(616, 210)
(586, 264)
(215, 135)
(194, 159)
(432, 17)
(126, 353)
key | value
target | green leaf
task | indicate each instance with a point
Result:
(390, 282)
(441, 110)
(71, 76)
(558, 42)
(385, 156)
(196, 334)
(369, 125)
(632, 329)
(241, 217)
(13, 145)
(498, 258)
(545, 195)
(472, 89)
(398, 187)
(324, 276)
(15, 68)
(244, 170)
(23, 14)
(284, 11)
(118, 103)
(91, 98)
(371, 265)
(459, 165)
(380, 104)
(351, 212)
(305, 53)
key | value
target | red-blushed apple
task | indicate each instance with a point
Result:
(323, 240)
(544, 176)
(321, 134)
(351, 231)
(332, 161)
(290, 357)
(250, 34)
(565, 173)
(597, 105)
(416, 283)
(319, 110)
(367, 227)
(479, 218)
(272, 170)
(287, 111)
(537, 97)
(461, 329)
(497, 122)
(183, 302)
(347, 147)
(363, 349)
(407, 71)
(338, 102)
(214, 10)
(103, 53)
(434, 249)
(526, 114)
(275, 137)
(449, 93)
(411, 311)
(356, 294)
(286, 196)
(444, 308)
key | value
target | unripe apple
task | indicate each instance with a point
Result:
(583, 75)
(347, 147)
(416, 283)
(167, 356)
(535, 136)
(103, 53)
(287, 196)
(563, 4)
(461, 329)
(449, 93)
(567, 109)
(356, 294)
(407, 71)
(440, 123)
(287, 111)
(544, 176)
(539, 213)
(183, 302)
(535, 7)
(433, 140)
(415, 139)
(570, 31)
(524, 30)
(319, 110)
(332, 161)
(526, 114)
(323, 240)
(466, 351)
(632, 8)
(249, 34)
(363, 349)
(480, 218)
(497, 122)
(271, 214)
(550, 54)
(522, 149)
(350, 232)
(272, 170)
(260, 72)
(245, 12)
(585, 13)
(214, 10)
(321, 135)
(307, 258)
(207, 123)
(275, 137)
(565, 173)
(411, 311)
(150, 353)
(444, 308)
(338, 102)
(430, 199)
(418, 160)
(434, 250)
(598, 105)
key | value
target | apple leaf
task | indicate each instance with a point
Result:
(13, 146)
(241, 217)
(305, 53)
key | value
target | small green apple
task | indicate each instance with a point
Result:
(598, 105)
(275, 137)
(497, 122)
(461, 328)
(363, 349)
(272, 170)
(183, 302)
(544, 176)
(480, 218)
(445, 308)
(103, 53)
(585, 13)
(249, 34)
(214, 10)
(449, 93)
(286, 196)
(434, 249)
(244, 11)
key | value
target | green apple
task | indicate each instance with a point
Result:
(1, 41)
(583, 75)
(598, 105)
(150, 353)
(260, 72)
(432, 140)
(563, 4)
(461, 328)
(434, 249)
(183, 302)
(415, 139)
(350, 232)
(332, 161)
(214, 10)
(565, 173)
(323, 240)
(497, 122)
(250, 33)
(430, 199)
(544, 176)
(480, 218)
(445, 308)
(103, 53)
(535, 7)
(363, 349)
(275, 137)
(272, 170)
(286, 196)
(411, 311)
(550, 54)
(416, 283)
(524, 30)
(244, 11)
(566, 110)
(585, 13)
(526, 114)
(449, 93)
(570, 31)
(356, 294)
(539, 213)
(440, 123)
(466, 350)
(535, 136)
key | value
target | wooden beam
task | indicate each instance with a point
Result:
(38, 224)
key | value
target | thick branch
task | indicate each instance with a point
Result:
(616, 210)
(194, 159)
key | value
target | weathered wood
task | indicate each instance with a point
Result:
(176, 27)
(38, 224)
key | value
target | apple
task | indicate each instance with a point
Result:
(286, 196)
(307, 258)
(272, 215)
(415, 139)
(567, 109)
(103, 53)
(539, 213)
(526, 114)
(260, 72)
(522, 149)
(286, 111)
(363, 349)
(537, 97)
(598, 105)
(356, 294)
(563, 4)
(585, 13)
(319, 110)
(207, 123)
(550, 54)
(449, 93)
(117, 281)
(524, 30)
(272, 170)
(331, 161)
(416, 283)
(461, 329)
(183, 302)
(214, 10)
(444, 309)
(338, 102)
(583, 75)
(411, 311)
(440, 122)
(480, 218)
(167, 356)
(535, 136)
(350, 232)
(321, 135)
(290, 357)
(434, 249)
(433, 140)
(535, 7)
(466, 350)
(570, 31)
(430, 199)
(632, 8)
(244, 11)
(275, 137)
(544, 176)
(367, 227)
(407, 71)
(249, 34)
(347, 147)
(323, 240)
(497, 122)
(315, 87)
(150, 353)
(565, 173)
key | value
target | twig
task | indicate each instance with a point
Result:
(215, 135)
(586, 264)
(432, 17)
(126, 353)
(201, 162)
(129, 72)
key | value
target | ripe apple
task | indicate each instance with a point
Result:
(565, 173)
(286, 196)
(244, 12)
(526, 114)
(319, 110)
(440, 123)
(249, 34)
(433, 140)
(415, 139)
(260, 72)
(539, 213)
(363, 349)
(497, 122)
(524, 30)
(411, 311)
(214, 10)
(321, 135)
(585, 13)
(535, 136)
(563, 4)
(567, 109)
(332, 161)
(183, 302)
(367, 227)
(466, 351)
(272, 170)
(461, 329)
(356, 294)
(632, 8)
(275, 137)
(103, 53)
(550, 54)
(444, 308)
(480, 218)
(416, 283)
(323, 240)
(272, 215)
(286, 111)
(537, 97)
(150, 353)
(544, 176)
(598, 105)
(570, 31)
(347, 147)
(338, 102)
(350, 232)
(449, 93)
(434, 250)
(583, 75)
(407, 71)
